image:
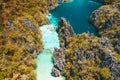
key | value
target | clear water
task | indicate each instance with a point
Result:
(44, 59)
(77, 13)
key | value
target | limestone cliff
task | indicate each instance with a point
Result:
(20, 36)
(107, 21)
(84, 56)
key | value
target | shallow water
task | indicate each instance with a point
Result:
(77, 13)
(44, 59)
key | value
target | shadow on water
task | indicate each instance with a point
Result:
(77, 14)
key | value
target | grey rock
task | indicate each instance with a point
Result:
(64, 30)
(30, 24)
(55, 72)
(59, 60)
(67, 28)
(53, 4)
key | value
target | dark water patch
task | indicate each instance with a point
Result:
(77, 13)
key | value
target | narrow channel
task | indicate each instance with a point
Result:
(77, 13)
(44, 59)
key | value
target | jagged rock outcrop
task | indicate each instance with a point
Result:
(64, 30)
(20, 36)
(59, 62)
(106, 16)
(84, 56)
(106, 20)
(55, 72)
(87, 57)
(53, 4)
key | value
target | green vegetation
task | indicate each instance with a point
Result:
(105, 73)
(81, 62)
(20, 37)
(111, 1)
(87, 57)
(107, 23)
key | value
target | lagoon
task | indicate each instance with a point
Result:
(77, 13)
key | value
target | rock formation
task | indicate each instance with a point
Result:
(65, 30)
(20, 36)
(53, 4)
(84, 56)
(106, 20)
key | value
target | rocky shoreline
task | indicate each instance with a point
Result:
(73, 56)
(81, 57)
(20, 36)
(106, 20)
(86, 57)
(64, 30)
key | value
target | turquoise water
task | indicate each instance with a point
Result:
(44, 59)
(77, 13)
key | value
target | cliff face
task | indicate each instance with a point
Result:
(64, 30)
(52, 4)
(84, 56)
(20, 36)
(107, 21)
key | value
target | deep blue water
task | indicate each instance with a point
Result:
(77, 14)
